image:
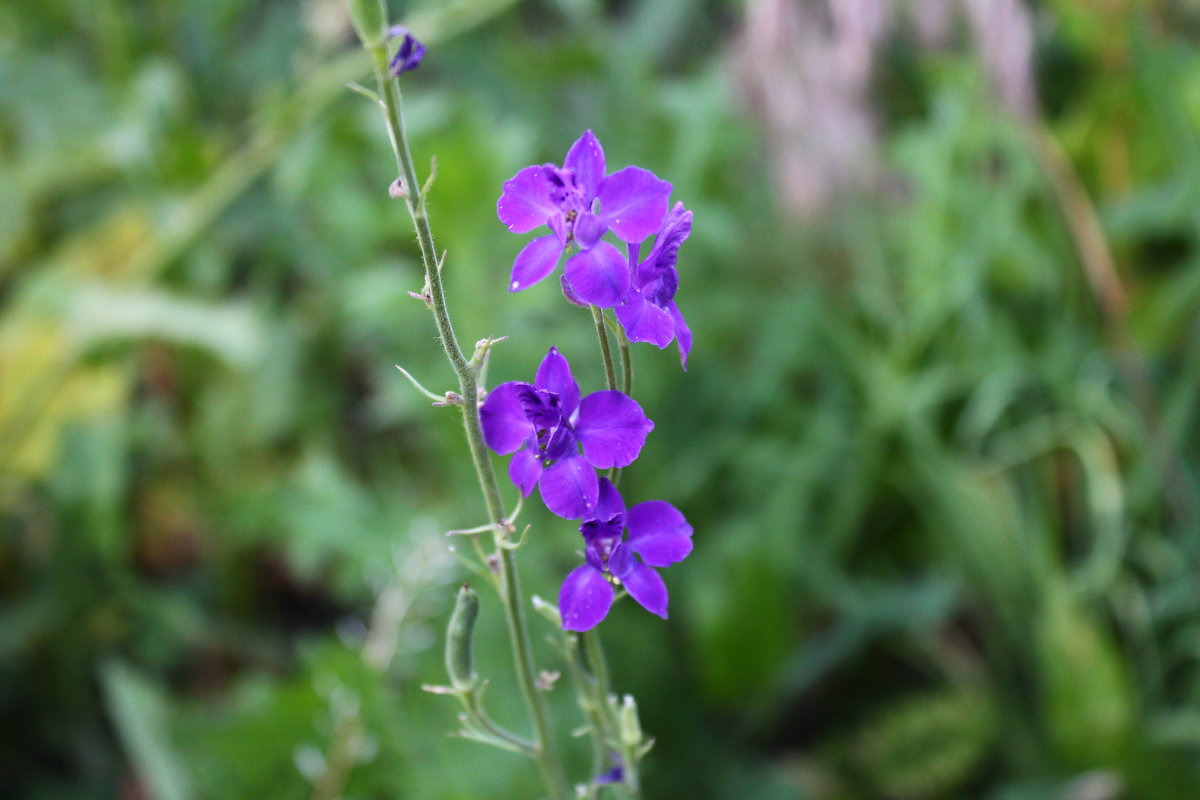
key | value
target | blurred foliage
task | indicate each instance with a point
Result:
(946, 509)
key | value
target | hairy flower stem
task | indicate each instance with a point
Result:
(626, 364)
(592, 702)
(507, 577)
(597, 666)
(610, 372)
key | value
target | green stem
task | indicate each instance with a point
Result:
(610, 373)
(626, 356)
(592, 703)
(477, 713)
(626, 365)
(505, 566)
(597, 666)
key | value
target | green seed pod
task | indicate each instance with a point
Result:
(370, 21)
(460, 662)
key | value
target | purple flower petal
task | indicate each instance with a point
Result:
(535, 261)
(525, 469)
(612, 429)
(569, 487)
(676, 228)
(502, 415)
(683, 334)
(562, 442)
(644, 584)
(598, 276)
(659, 533)
(570, 295)
(588, 229)
(661, 287)
(586, 160)
(554, 375)
(525, 201)
(645, 322)
(633, 202)
(558, 224)
(584, 599)
(609, 502)
(604, 525)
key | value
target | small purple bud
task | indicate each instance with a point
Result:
(614, 775)
(409, 56)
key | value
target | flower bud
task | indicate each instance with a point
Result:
(628, 723)
(370, 21)
(459, 659)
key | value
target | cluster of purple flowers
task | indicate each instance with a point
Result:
(557, 437)
(559, 440)
(579, 203)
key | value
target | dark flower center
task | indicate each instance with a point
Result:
(567, 193)
(603, 535)
(553, 436)
(660, 289)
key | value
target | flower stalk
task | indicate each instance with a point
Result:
(610, 373)
(626, 363)
(593, 653)
(506, 575)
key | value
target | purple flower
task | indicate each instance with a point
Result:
(579, 204)
(658, 533)
(545, 424)
(409, 55)
(648, 312)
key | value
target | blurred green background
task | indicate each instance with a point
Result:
(938, 439)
